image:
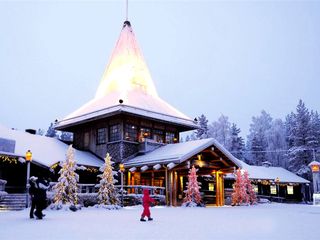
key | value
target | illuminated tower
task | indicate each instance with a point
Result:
(126, 116)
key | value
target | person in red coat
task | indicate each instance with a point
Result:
(146, 201)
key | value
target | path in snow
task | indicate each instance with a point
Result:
(264, 221)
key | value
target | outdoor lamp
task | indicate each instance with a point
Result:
(29, 156)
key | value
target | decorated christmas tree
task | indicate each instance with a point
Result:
(239, 195)
(250, 191)
(108, 194)
(66, 189)
(192, 198)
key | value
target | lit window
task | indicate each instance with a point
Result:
(273, 189)
(211, 186)
(170, 137)
(144, 133)
(101, 135)
(131, 133)
(290, 190)
(158, 136)
(115, 132)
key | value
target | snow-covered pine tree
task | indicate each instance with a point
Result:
(66, 136)
(314, 138)
(202, 132)
(66, 189)
(192, 198)
(277, 145)
(108, 194)
(236, 145)
(220, 130)
(51, 132)
(250, 191)
(239, 195)
(300, 154)
(257, 139)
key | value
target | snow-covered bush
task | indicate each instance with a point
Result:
(88, 199)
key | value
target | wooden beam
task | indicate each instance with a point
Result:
(224, 162)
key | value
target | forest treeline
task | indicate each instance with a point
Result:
(291, 143)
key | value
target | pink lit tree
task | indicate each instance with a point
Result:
(192, 198)
(250, 191)
(239, 195)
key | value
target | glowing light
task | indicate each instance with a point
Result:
(127, 69)
(29, 156)
(315, 168)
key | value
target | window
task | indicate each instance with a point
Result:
(290, 190)
(86, 139)
(101, 135)
(144, 133)
(170, 137)
(131, 133)
(158, 136)
(211, 186)
(273, 189)
(114, 133)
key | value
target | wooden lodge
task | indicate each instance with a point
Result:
(127, 119)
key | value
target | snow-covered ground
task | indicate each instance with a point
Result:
(264, 221)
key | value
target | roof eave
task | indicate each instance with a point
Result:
(121, 108)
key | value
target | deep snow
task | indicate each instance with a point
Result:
(264, 221)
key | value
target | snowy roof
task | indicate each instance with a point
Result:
(271, 173)
(127, 78)
(178, 153)
(45, 151)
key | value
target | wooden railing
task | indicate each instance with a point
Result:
(127, 189)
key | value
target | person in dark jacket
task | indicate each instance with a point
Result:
(146, 201)
(33, 193)
(41, 197)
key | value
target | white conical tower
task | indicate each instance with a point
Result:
(127, 86)
(127, 70)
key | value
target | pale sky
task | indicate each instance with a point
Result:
(213, 57)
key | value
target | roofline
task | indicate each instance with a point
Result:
(119, 108)
(185, 157)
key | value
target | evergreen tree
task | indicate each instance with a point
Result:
(299, 154)
(220, 130)
(66, 189)
(257, 139)
(51, 132)
(252, 198)
(108, 194)
(236, 145)
(202, 132)
(66, 136)
(277, 145)
(289, 126)
(239, 195)
(314, 137)
(192, 197)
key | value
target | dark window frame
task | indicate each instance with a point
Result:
(101, 137)
(131, 132)
(114, 132)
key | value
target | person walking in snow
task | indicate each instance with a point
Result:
(41, 196)
(146, 201)
(33, 194)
